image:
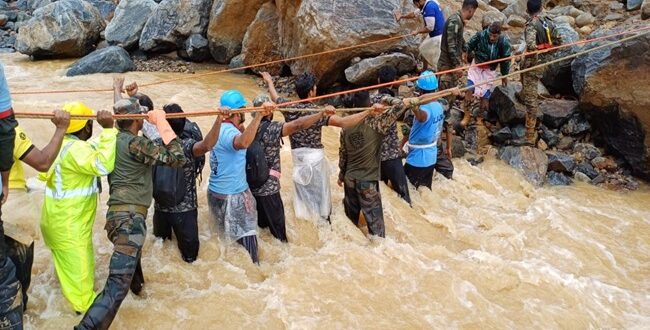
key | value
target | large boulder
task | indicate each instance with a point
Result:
(106, 8)
(558, 179)
(560, 162)
(262, 40)
(66, 28)
(504, 103)
(367, 70)
(557, 77)
(645, 9)
(127, 23)
(31, 5)
(195, 49)
(615, 98)
(531, 162)
(172, 22)
(106, 60)
(557, 112)
(501, 4)
(229, 20)
(634, 4)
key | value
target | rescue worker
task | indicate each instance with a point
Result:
(229, 197)
(487, 45)
(270, 208)
(130, 198)
(360, 161)
(148, 129)
(312, 195)
(538, 34)
(71, 191)
(434, 22)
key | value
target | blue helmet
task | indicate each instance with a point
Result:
(233, 99)
(427, 81)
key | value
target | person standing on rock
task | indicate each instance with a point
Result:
(131, 191)
(270, 208)
(487, 45)
(539, 34)
(434, 21)
(453, 52)
(311, 174)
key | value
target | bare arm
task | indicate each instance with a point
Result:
(118, 86)
(202, 147)
(41, 160)
(242, 141)
(348, 121)
(306, 122)
(269, 82)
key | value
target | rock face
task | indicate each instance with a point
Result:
(504, 103)
(127, 23)
(195, 49)
(645, 9)
(531, 162)
(367, 70)
(557, 77)
(557, 112)
(615, 99)
(109, 59)
(229, 20)
(66, 28)
(262, 41)
(172, 22)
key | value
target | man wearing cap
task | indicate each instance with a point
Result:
(71, 189)
(229, 197)
(270, 208)
(131, 190)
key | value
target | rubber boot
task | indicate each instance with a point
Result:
(531, 132)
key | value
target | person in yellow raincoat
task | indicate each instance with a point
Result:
(72, 187)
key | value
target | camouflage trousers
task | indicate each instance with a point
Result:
(451, 80)
(528, 95)
(364, 196)
(127, 231)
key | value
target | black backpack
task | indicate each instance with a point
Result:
(168, 185)
(192, 131)
(257, 168)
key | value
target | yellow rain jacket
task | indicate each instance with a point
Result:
(72, 185)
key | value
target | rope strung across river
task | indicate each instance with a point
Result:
(282, 106)
(196, 76)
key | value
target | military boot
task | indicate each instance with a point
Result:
(467, 113)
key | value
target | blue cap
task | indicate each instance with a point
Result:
(233, 99)
(427, 81)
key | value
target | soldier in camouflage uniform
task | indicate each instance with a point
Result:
(359, 162)
(131, 190)
(538, 34)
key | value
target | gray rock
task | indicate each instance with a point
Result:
(501, 136)
(589, 151)
(4, 19)
(615, 5)
(195, 49)
(557, 77)
(598, 180)
(557, 112)
(501, 4)
(66, 28)
(126, 26)
(229, 20)
(634, 4)
(613, 17)
(31, 5)
(602, 163)
(504, 103)
(106, 8)
(11, 26)
(585, 19)
(565, 20)
(458, 149)
(237, 62)
(645, 9)
(367, 70)
(560, 162)
(587, 169)
(558, 179)
(549, 136)
(492, 17)
(566, 142)
(531, 162)
(518, 131)
(516, 21)
(110, 59)
(576, 125)
(581, 177)
(172, 22)
(12, 15)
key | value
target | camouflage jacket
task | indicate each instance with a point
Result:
(531, 40)
(453, 43)
(390, 146)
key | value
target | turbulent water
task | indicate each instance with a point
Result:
(485, 250)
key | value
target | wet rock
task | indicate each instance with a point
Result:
(262, 40)
(229, 20)
(501, 4)
(3, 19)
(195, 49)
(576, 125)
(549, 136)
(602, 163)
(504, 103)
(598, 179)
(516, 21)
(634, 4)
(66, 28)
(565, 143)
(586, 169)
(585, 19)
(531, 162)
(237, 62)
(589, 151)
(645, 9)
(518, 131)
(558, 179)
(557, 112)
(581, 177)
(110, 59)
(613, 17)
(557, 77)
(367, 70)
(560, 162)
(106, 8)
(127, 23)
(172, 22)
(501, 136)
(608, 82)
(457, 147)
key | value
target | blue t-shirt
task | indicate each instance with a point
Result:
(424, 133)
(5, 97)
(432, 9)
(227, 164)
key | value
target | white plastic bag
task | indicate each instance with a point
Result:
(311, 174)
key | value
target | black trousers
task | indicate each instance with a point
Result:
(270, 214)
(444, 165)
(419, 176)
(11, 300)
(393, 171)
(185, 228)
(364, 196)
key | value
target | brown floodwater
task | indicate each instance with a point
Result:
(484, 250)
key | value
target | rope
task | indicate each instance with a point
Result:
(282, 106)
(580, 42)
